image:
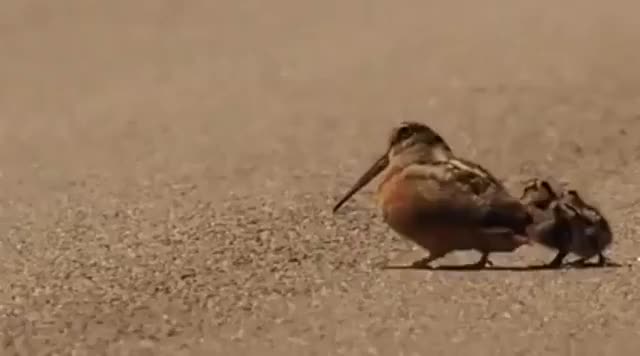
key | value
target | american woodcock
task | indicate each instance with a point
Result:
(441, 202)
(565, 222)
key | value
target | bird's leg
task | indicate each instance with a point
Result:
(557, 261)
(605, 261)
(483, 262)
(602, 261)
(425, 262)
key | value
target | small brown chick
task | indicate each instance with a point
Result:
(566, 223)
(551, 226)
(591, 231)
(537, 196)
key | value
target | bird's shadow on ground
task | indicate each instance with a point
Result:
(530, 268)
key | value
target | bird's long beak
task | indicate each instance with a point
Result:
(371, 173)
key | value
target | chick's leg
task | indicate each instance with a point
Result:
(426, 262)
(483, 262)
(605, 261)
(557, 261)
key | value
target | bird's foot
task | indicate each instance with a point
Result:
(482, 263)
(557, 262)
(601, 262)
(423, 263)
(604, 261)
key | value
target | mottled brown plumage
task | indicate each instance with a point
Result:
(442, 202)
(566, 223)
(551, 225)
(591, 230)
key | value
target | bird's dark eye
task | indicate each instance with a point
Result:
(403, 133)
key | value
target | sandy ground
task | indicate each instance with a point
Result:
(167, 171)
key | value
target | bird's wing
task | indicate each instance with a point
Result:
(461, 192)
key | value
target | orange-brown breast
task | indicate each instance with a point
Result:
(400, 202)
(404, 204)
(391, 189)
(394, 194)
